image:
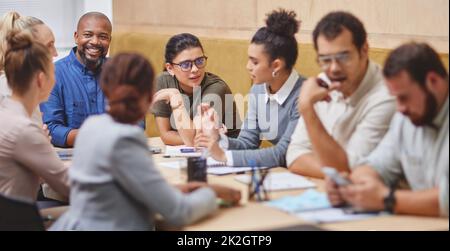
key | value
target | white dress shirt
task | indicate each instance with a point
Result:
(357, 123)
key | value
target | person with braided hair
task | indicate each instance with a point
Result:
(272, 112)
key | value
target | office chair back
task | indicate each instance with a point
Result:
(19, 215)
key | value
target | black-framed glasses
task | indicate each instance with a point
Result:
(342, 58)
(187, 64)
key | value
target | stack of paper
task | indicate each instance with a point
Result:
(215, 170)
(280, 181)
(332, 215)
(230, 169)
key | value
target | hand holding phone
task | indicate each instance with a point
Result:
(322, 83)
(335, 176)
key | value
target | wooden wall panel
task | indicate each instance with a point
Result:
(388, 22)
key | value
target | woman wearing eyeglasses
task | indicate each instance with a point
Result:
(183, 86)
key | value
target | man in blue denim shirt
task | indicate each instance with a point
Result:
(77, 93)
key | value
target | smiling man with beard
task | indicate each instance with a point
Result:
(347, 110)
(77, 94)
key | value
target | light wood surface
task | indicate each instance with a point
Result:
(251, 215)
(256, 216)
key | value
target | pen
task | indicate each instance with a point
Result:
(187, 150)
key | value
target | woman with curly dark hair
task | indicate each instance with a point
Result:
(272, 111)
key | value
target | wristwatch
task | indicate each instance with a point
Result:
(389, 200)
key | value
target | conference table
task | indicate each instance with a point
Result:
(252, 215)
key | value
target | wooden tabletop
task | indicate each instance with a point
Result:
(256, 216)
(252, 215)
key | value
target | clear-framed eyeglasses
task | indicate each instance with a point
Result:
(342, 58)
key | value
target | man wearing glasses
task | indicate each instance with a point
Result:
(347, 110)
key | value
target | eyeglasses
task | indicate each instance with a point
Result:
(187, 65)
(342, 58)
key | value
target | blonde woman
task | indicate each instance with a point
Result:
(40, 33)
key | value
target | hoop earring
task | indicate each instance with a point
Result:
(274, 74)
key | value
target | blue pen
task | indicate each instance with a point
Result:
(187, 150)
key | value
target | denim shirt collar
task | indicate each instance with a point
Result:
(78, 65)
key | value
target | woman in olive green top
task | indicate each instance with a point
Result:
(183, 87)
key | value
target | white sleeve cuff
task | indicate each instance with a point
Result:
(223, 142)
(229, 156)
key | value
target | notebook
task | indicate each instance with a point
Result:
(214, 167)
(177, 164)
(222, 170)
(280, 181)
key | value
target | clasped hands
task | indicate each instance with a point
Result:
(206, 122)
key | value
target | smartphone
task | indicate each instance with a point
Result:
(323, 81)
(335, 176)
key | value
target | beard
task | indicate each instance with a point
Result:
(430, 110)
(92, 63)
